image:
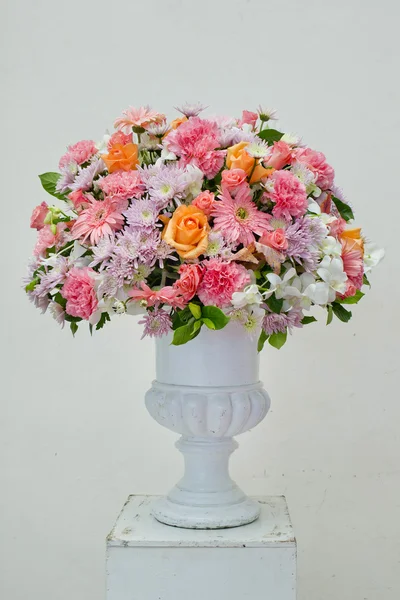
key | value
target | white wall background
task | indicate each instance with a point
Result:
(75, 435)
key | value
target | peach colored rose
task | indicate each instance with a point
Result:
(177, 122)
(275, 239)
(248, 117)
(237, 158)
(233, 178)
(204, 202)
(280, 156)
(38, 216)
(121, 157)
(187, 231)
(354, 235)
(190, 277)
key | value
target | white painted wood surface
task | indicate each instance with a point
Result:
(147, 560)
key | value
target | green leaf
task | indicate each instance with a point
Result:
(366, 280)
(277, 340)
(49, 182)
(91, 329)
(72, 319)
(270, 136)
(60, 300)
(351, 299)
(195, 310)
(215, 315)
(330, 315)
(307, 320)
(74, 327)
(196, 327)
(181, 317)
(208, 323)
(103, 320)
(344, 209)
(183, 334)
(261, 340)
(342, 313)
(274, 304)
(31, 286)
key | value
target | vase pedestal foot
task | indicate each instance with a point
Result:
(206, 497)
(205, 517)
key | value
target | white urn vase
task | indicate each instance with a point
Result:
(208, 391)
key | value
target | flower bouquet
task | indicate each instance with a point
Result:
(196, 222)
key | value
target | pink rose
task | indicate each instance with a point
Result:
(275, 239)
(119, 138)
(79, 200)
(38, 216)
(204, 202)
(190, 278)
(280, 156)
(232, 178)
(249, 118)
(47, 239)
(79, 292)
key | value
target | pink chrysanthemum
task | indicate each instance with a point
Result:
(238, 218)
(101, 218)
(78, 153)
(79, 292)
(289, 195)
(138, 117)
(316, 162)
(220, 280)
(280, 322)
(121, 185)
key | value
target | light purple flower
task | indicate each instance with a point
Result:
(301, 239)
(84, 179)
(102, 252)
(67, 178)
(142, 214)
(156, 323)
(279, 323)
(166, 185)
(191, 110)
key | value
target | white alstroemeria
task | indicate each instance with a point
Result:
(102, 145)
(279, 285)
(330, 246)
(373, 255)
(193, 179)
(332, 273)
(250, 295)
(326, 219)
(165, 155)
(313, 207)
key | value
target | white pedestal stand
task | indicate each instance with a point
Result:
(147, 560)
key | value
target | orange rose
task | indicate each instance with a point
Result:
(237, 158)
(355, 235)
(187, 231)
(177, 122)
(121, 157)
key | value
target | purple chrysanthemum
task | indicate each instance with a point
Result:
(301, 237)
(102, 252)
(166, 184)
(191, 110)
(84, 179)
(279, 323)
(142, 214)
(156, 323)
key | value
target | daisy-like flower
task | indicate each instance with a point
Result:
(156, 323)
(138, 118)
(58, 313)
(167, 184)
(216, 245)
(84, 180)
(258, 149)
(191, 110)
(100, 219)
(279, 323)
(267, 114)
(158, 129)
(238, 218)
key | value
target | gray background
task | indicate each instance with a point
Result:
(75, 436)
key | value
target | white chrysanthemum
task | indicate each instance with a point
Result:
(258, 149)
(267, 114)
(291, 138)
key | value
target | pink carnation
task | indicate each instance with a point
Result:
(289, 195)
(122, 185)
(220, 280)
(79, 292)
(248, 118)
(195, 142)
(79, 153)
(316, 162)
(48, 239)
(38, 216)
